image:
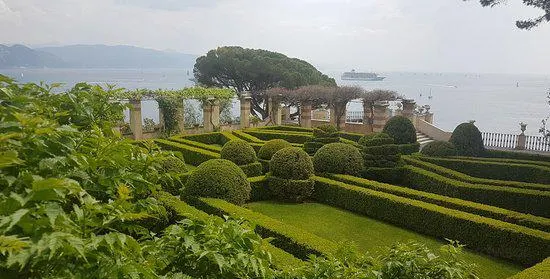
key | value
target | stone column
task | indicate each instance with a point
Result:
(408, 108)
(285, 112)
(275, 113)
(180, 116)
(342, 122)
(135, 119)
(211, 115)
(305, 114)
(245, 111)
(521, 137)
(380, 116)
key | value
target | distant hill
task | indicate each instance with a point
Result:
(21, 56)
(92, 56)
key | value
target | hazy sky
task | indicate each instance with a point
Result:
(378, 35)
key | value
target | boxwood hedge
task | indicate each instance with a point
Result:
(509, 241)
(338, 158)
(193, 155)
(239, 152)
(515, 155)
(539, 271)
(252, 169)
(294, 137)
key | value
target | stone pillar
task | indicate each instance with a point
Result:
(135, 119)
(320, 114)
(275, 113)
(211, 115)
(180, 116)
(429, 117)
(285, 112)
(380, 116)
(305, 114)
(408, 109)
(521, 137)
(245, 111)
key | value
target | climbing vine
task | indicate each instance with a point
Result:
(169, 107)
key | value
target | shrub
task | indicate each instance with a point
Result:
(290, 190)
(467, 140)
(325, 131)
(439, 149)
(192, 155)
(376, 139)
(410, 148)
(219, 178)
(252, 169)
(293, 137)
(515, 155)
(271, 147)
(291, 163)
(401, 129)
(539, 271)
(173, 163)
(239, 152)
(338, 158)
(501, 239)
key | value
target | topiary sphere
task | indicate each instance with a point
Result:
(439, 149)
(218, 178)
(291, 163)
(401, 129)
(239, 152)
(173, 163)
(467, 140)
(338, 158)
(271, 147)
(375, 139)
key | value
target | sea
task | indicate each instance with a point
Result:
(497, 102)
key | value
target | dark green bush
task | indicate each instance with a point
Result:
(376, 139)
(173, 183)
(325, 131)
(290, 190)
(410, 148)
(259, 189)
(515, 155)
(439, 149)
(500, 239)
(338, 158)
(252, 169)
(391, 175)
(401, 129)
(539, 271)
(467, 140)
(522, 200)
(495, 170)
(218, 178)
(291, 163)
(272, 146)
(192, 155)
(293, 137)
(173, 163)
(239, 152)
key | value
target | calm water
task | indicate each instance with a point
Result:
(497, 102)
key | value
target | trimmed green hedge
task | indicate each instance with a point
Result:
(504, 160)
(286, 128)
(393, 175)
(493, 170)
(467, 140)
(290, 190)
(209, 147)
(338, 158)
(539, 271)
(252, 169)
(298, 242)
(239, 152)
(173, 183)
(522, 200)
(406, 149)
(439, 148)
(192, 155)
(291, 163)
(415, 161)
(271, 147)
(259, 189)
(509, 241)
(294, 137)
(401, 129)
(351, 136)
(207, 138)
(515, 155)
(497, 213)
(244, 136)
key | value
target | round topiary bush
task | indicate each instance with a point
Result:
(375, 139)
(218, 178)
(401, 129)
(338, 158)
(239, 152)
(173, 163)
(271, 147)
(291, 163)
(439, 149)
(467, 140)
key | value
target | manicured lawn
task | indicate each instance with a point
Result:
(368, 234)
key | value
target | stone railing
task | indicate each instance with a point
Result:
(431, 130)
(511, 141)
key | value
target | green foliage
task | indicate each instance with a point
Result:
(439, 149)
(193, 155)
(467, 140)
(529, 23)
(170, 108)
(541, 270)
(260, 190)
(495, 170)
(255, 70)
(407, 149)
(271, 147)
(418, 162)
(291, 163)
(515, 155)
(517, 243)
(218, 178)
(252, 169)
(292, 137)
(376, 139)
(493, 212)
(290, 190)
(325, 131)
(401, 129)
(522, 200)
(298, 242)
(338, 158)
(239, 152)
(173, 162)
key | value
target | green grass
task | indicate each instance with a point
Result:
(368, 234)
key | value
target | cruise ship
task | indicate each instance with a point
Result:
(353, 75)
